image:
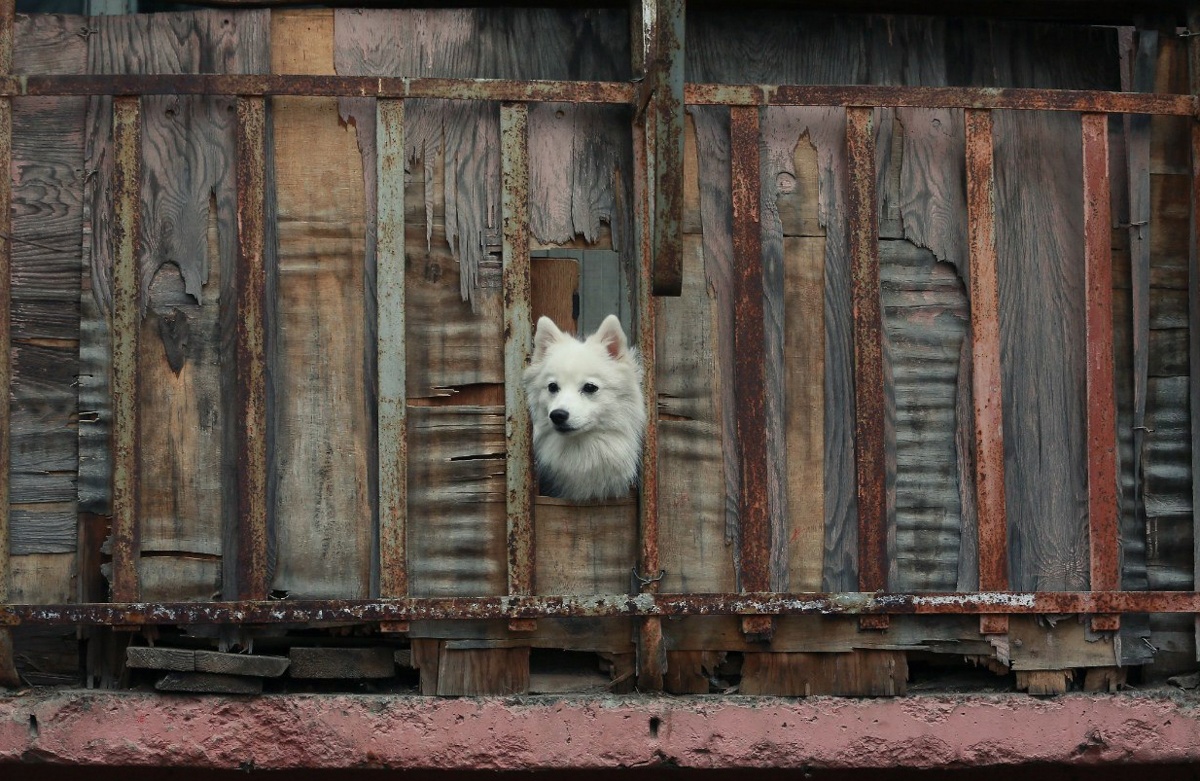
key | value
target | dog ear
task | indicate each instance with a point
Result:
(547, 334)
(612, 337)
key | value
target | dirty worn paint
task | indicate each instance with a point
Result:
(518, 338)
(390, 349)
(250, 347)
(126, 324)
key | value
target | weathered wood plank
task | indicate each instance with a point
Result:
(341, 663)
(209, 683)
(456, 495)
(862, 673)
(323, 515)
(586, 550)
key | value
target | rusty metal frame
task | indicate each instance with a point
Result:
(520, 607)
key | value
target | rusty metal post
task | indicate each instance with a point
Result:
(518, 336)
(651, 649)
(1193, 23)
(391, 351)
(1101, 407)
(749, 379)
(871, 469)
(8, 670)
(985, 362)
(250, 348)
(126, 320)
(661, 56)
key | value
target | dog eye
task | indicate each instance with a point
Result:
(552, 387)
(590, 388)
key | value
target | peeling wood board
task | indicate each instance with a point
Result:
(456, 499)
(694, 547)
(1035, 644)
(584, 549)
(323, 514)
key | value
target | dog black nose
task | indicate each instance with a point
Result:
(559, 416)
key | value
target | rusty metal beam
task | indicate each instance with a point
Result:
(1103, 514)
(390, 351)
(518, 336)
(869, 404)
(601, 92)
(985, 361)
(749, 380)
(8, 670)
(126, 324)
(250, 348)
(600, 606)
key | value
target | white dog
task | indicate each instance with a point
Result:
(585, 398)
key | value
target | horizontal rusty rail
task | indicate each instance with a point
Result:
(602, 605)
(602, 92)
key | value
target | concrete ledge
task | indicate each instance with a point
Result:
(315, 732)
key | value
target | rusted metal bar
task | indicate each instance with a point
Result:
(665, 77)
(871, 470)
(599, 92)
(985, 362)
(1103, 513)
(1193, 22)
(390, 349)
(518, 336)
(248, 85)
(943, 97)
(600, 606)
(749, 378)
(8, 670)
(651, 650)
(250, 347)
(126, 322)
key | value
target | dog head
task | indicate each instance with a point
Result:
(579, 386)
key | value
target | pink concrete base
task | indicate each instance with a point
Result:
(341, 731)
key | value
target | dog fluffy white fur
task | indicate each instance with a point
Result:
(585, 398)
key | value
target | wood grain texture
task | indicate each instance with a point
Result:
(861, 673)
(590, 143)
(323, 514)
(44, 262)
(188, 239)
(584, 550)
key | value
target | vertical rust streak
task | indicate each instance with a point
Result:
(390, 350)
(749, 379)
(126, 319)
(985, 354)
(8, 672)
(651, 651)
(518, 336)
(868, 350)
(251, 351)
(1101, 411)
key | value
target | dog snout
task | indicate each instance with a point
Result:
(559, 416)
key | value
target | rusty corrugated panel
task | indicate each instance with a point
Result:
(126, 324)
(749, 370)
(250, 347)
(602, 605)
(518, 336)
(390, 349)
(863, 203)
(1103, 513)
(985, 361)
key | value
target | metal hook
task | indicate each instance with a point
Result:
(647, 581)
